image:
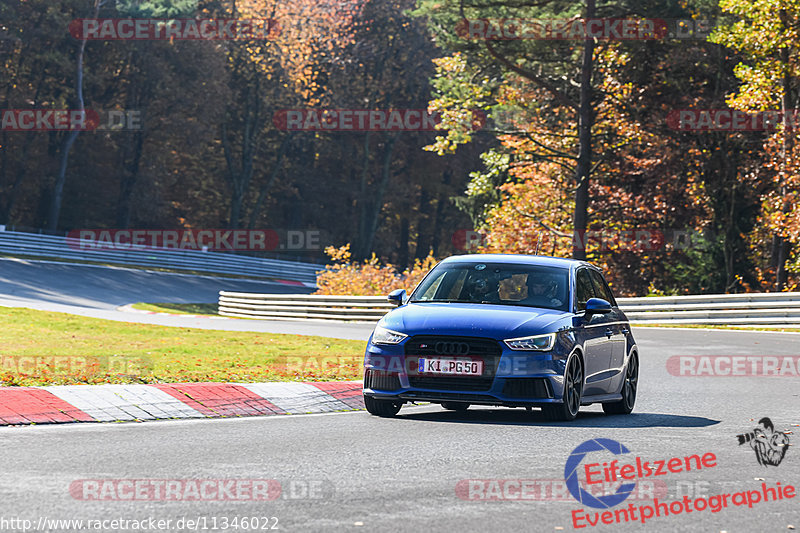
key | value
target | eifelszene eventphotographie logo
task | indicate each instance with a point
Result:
(627, 470)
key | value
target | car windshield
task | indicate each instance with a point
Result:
(496, 283)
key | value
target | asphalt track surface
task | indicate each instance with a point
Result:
(98, 291)
(401, 474)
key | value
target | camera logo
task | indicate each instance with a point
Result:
(572, 467)
(770, 445)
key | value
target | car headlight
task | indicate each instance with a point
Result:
(387, 336)
(539, 343)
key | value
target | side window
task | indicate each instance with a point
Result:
(601, 288)
(583, 289)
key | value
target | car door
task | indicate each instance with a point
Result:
(592, 331)
(618, 328)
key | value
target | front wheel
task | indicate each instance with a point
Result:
(625, 405)
(384, 408)
(573, 389)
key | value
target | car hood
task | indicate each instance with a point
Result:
(473, 320)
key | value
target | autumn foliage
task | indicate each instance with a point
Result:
(370, 277)
(208, 151)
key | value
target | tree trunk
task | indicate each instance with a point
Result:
(402, 259)
(438, 218)
(131, 165)
(729, 244)
(423, 224)
(239, 176)
(360, 249)
(5, 216)
(583, 168)
(18, 179)
(72, 136)
(262, 194)
(378, 205)
(786, 149)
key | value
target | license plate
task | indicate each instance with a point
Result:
(453, 367)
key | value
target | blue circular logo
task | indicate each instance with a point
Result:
(571, 474)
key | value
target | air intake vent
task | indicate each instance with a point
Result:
(381, 380)
(527, 388)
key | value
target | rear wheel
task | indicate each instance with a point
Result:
(625, 405)
(573, 389)
(455, 406)
(385, 408)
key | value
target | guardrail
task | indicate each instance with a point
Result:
(763, 309)
(66, 248)
(756, 309)
(303, 307)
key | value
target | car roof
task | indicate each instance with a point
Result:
(538, 260)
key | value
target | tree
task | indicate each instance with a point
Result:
(768, 39)
(544, 64)
(265, 73)
(69, 140)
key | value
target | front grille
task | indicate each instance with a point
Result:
(381, 380)
(426, 345)
(486, 350)
(527, 388)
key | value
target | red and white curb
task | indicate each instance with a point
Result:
(110, 403)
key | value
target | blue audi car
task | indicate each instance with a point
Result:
(504, 330)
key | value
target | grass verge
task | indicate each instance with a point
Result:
(178, 309)
(46, 348)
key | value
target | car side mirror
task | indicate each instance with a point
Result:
(397, 297)
(597, 306)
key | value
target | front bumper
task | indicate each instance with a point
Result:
(515, 379)
(453, 397)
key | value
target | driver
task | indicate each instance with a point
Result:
(542, 291)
